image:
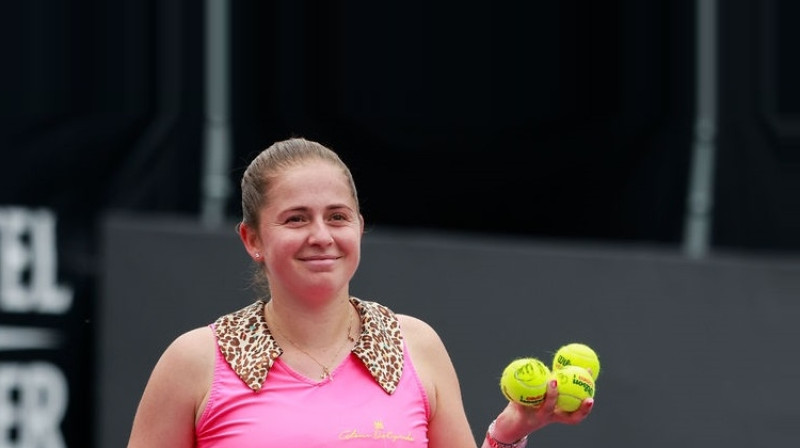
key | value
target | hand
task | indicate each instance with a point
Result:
(517, 420)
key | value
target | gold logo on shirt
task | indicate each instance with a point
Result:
(378, 432)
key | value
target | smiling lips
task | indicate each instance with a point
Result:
(320, 257)
(320, 260)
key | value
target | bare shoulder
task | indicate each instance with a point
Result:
(427, 350)
(175, 393)
(188, 362)
(428, 353)
(419, 334)
(195, 346)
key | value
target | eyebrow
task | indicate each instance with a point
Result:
(303, 208)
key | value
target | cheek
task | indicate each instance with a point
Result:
(354, 249)
(350, 237)
(278, 261)
(282, 250)
(278, 247)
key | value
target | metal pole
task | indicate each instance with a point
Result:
(217, 137)
(700, 199)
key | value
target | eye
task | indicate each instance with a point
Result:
(295, 219)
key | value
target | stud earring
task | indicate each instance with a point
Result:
(258, 255)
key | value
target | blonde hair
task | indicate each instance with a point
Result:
(271, 162)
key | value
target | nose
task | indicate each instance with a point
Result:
(320, 234)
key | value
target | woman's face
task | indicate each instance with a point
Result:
(310, 232)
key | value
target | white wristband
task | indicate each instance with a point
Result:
(494, 443)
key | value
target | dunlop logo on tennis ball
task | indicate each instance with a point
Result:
(529, 400)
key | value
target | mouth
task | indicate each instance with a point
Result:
(320, 258)
(320, 262)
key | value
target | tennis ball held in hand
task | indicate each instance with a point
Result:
(524, 381)
(577, 354)
(575, 384)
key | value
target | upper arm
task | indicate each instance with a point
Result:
(175, 392)
(448, 425)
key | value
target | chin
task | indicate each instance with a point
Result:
(323, 291)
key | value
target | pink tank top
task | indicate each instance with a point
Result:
(350, 410)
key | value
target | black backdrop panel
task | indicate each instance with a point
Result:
(565, 120)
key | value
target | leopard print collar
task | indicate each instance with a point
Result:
(250, 349)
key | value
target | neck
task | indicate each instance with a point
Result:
(316, 328)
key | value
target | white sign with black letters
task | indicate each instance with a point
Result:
(34, 393)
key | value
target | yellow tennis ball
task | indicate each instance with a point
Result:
(577, 354)
(575, 384)
(524, 381)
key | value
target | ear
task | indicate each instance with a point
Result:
(251, 241)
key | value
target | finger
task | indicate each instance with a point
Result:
(577, 416)
(583, 411)
(587, 406)
(551, 398)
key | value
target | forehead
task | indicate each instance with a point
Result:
(314, 177)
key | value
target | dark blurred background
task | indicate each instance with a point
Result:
(557, 119)
(565, 121)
